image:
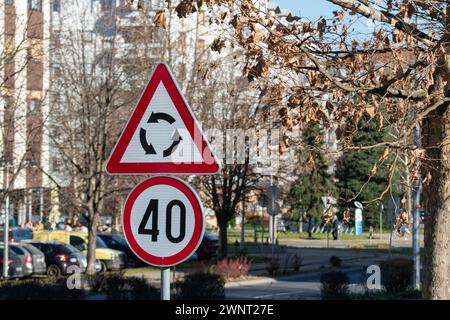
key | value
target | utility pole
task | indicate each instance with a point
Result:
(416, 213)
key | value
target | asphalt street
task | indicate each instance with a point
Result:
(302, 286)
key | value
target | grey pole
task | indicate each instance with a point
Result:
(243, 223)
(165, 283)
(381, 221)
(416, 214)
(272, 217)
(6, 228)
(41, 205)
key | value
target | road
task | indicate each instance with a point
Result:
(305, 285)
(302, 286)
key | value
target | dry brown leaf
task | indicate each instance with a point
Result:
(160, 19)
(427, 179)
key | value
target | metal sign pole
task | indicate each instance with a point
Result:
(242, 245)
(6, 228)
(165, 283)
(416, 215)
(381, 221)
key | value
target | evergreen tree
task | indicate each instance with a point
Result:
(353, 172)
(315, 182)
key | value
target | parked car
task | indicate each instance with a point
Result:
(15, 263)
(60, 256)
(17, 234)
(117, 242)
(209, 246)
(38, 257)
(109, 259)
(25, 256)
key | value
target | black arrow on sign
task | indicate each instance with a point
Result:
(176, 141)
(155, 116)
(148, 148)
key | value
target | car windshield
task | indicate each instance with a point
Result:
(16, 250)
(100, 243)
(67, 248)
(120, 239)
(22, 234)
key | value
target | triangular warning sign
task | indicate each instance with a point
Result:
(162, 135)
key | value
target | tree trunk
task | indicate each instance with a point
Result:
(92, 235)
(437, 215)
(223, 237)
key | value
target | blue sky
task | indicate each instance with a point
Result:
(359, 27)
(311, 9)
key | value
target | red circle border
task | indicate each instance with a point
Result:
(198, 227)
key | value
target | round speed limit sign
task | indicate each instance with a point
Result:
(163, 221)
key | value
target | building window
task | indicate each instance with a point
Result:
(107, 5)
(35, 4)
(56, 5)
(5, 103)
(35, 105)
(88, 36)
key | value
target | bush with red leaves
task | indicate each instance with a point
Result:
(232, 268)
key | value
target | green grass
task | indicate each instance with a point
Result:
(133, 271)
(235, 235)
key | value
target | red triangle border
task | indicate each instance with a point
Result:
(208, 166)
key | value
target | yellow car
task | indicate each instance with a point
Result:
(110, 259)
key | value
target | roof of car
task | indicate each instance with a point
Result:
(54, 242)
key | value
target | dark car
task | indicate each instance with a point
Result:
(15, 263)
(59, 256)
(25, 257)
(38, 257)
(17, 234)
(208, 247)
(117, 242)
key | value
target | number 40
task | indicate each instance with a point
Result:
(152, 210)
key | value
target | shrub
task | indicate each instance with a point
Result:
(396, 274)
(334, 285)
(200, 286)
(232, 268)
(335, 261)
(272, 266)
(118, 287)
(39, 289)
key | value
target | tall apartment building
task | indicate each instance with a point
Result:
(30, 166)
(24, 68)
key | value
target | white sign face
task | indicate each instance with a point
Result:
(163, 221)
(161, 135)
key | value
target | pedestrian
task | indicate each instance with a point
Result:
(309, 221)
(404, 223)
(335, 227)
